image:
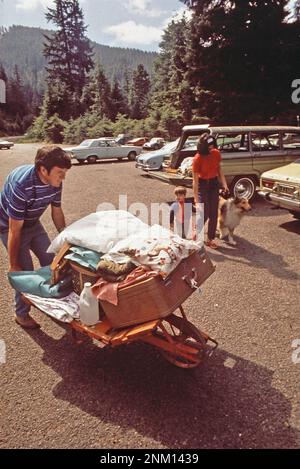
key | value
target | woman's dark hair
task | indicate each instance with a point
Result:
(204, 141)
(50, 156)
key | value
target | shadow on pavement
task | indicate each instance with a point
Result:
(291, 226)
(253, 255)
(133, 387)
(261, 208)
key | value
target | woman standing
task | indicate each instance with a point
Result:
(207, 176)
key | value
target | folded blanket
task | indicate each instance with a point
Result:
(84, 257)
(65, 310)
(39, 283)
(156, 248)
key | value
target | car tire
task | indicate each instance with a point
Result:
(131, 156)
(80, 162)
(92, 159)
(243, 186)
(295, 214)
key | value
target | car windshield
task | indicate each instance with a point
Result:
(170, 146)
(119, 140)
(85, 143)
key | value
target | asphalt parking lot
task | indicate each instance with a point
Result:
(55, 394)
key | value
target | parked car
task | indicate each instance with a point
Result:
(138, 141)
(92, 150)
(121, 139)
(153, 160)
(5, 144)
(154, 144)
(247, 152)
(281, 187)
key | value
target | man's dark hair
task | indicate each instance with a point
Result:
(50, 156)
(204, 141)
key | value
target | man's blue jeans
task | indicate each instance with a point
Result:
(33, 239)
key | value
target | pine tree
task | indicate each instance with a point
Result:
(16, 102)
(68, 51)
(140, 93)
(126, 88)
(97, 94)
(172, 97)
(118, 103)
(61, 101)
(232, 78)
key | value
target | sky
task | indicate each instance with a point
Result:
(123, 23)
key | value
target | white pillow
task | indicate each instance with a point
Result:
(99, 231)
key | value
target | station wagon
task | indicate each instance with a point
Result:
(247, 152)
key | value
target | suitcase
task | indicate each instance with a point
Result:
(156, 297)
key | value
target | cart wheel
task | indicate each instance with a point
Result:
(184, 332)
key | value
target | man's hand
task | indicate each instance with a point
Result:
(58, 218)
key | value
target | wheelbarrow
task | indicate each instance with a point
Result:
(179, 341)
(150, 312)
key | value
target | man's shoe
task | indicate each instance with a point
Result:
(27, 322)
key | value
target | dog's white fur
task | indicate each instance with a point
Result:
(231, 212)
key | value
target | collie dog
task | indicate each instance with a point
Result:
(231, 212)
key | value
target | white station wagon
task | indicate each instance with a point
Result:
(102, 148)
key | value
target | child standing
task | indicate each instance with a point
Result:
(180, 213)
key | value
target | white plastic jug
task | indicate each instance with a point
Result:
(88, 306)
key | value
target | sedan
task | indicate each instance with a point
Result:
(5, 144)
(139, 142)
(153, 160)
(101, 148)
(281, 187)
(155, 144)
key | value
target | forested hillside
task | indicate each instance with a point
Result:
(224, 63)
(23, 46)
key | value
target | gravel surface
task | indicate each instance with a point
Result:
(55, 394)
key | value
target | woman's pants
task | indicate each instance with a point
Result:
(209, 197)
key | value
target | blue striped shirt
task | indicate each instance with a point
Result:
(26, 197)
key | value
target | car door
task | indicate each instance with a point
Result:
(236, 155)
(113, 150)
(102, 151)
(267, 151)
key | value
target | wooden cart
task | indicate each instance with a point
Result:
(150, 321)
(179, 341)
